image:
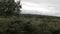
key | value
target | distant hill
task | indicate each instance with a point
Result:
(38, 16)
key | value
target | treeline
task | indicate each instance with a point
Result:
(39, 16)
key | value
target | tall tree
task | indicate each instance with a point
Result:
(9, 7)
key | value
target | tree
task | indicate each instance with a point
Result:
(9, 8)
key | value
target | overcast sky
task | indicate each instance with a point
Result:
(45, 7)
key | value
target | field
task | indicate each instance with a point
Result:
(30, 24)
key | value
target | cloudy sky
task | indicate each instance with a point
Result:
(42, 7)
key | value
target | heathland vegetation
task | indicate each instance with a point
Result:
(30, 24)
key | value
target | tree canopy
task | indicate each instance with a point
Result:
(9, 7)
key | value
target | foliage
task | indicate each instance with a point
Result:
(9, 8)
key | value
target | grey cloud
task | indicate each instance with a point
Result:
(52, 5)
(43, 1)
